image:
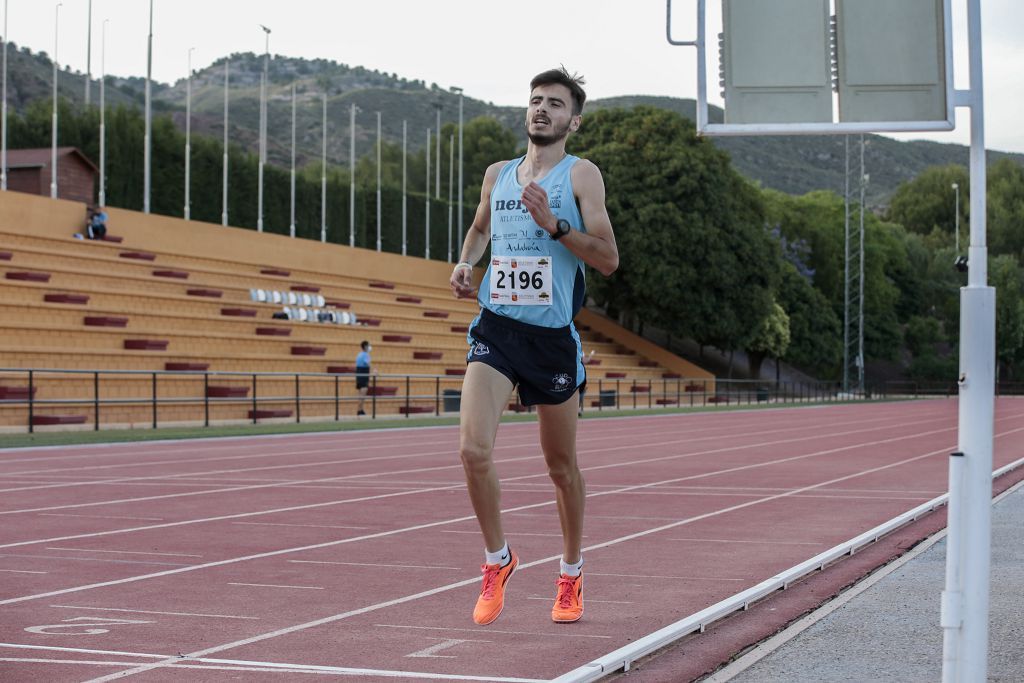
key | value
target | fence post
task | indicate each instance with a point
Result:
(437, 396)
(96, 400)
(206, 399)
(254, 408)
(298, 402)
(31, 403)
(336, 399)
(650, 390)
(617, 404)
(154, 400)
(407, 390)
(373, 399)
(600, 399)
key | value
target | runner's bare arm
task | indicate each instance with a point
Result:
(477, 237)
(596, 247)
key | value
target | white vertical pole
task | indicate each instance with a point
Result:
(956, 218)
(426, 252)
(264, 114)
(148, 135)
(352, 177)
(53, 132)
(188, 139)
(224, 164)
(458, 203)
(103, 114)
(378, 180)
(451, 173)
(88, 54)
(323, 173)
(405, 207)
(966, 605)
(860, 279)
(291, 223)
(437, 155)
(3, 114)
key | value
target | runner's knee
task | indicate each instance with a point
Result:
(476, 457)
(564, 473)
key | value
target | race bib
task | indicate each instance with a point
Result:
(521, 281)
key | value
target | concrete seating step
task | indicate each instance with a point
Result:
(305, 288)
(340, 369)
(42, 420)
(460, 328)
(260, 414)
(105, 321)
(399, 338)
(227, 392)
(309, 350)
(211, 293)
(16, 393)
(189, 367)
(6, 256)
(427, 355)
(275, 271)
(382, 391)
(455, 372)
(273, 331)
(66, 298)
(615, 375)
(146, 344)
(177, 274)
(27, 276)
(409, 299)
(239, 312)
(138, 255)
(382, 285)
(436, 314)
(409, 410)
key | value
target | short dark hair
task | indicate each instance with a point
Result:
(560, 76)
(363, 345)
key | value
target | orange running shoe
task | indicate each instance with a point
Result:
(569, 600)
(492, 594)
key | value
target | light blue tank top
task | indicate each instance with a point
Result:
(514, 233)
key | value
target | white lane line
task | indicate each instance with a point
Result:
(99, 559)
(21, 571)
(673, 578)
(68, 514)
(371, 564)
(309, 526)
(122, 552)
(546, 634)
(143, 611)
(272, 585)
(733, 540)
(589, 600)
(518, 533)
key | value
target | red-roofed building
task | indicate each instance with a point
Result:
(28, 170)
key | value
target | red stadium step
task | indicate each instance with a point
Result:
(211, 293)
(239, 312)
(105, 321)
(305, 288)
(718, 399)
(370, 322)
(176, 274)
(435, 314)
(276, 271)
(186, 367)
(16, 393)
(227, 392)
(460, 328)
(79, 299)
(409, 410)
(671, 375)
(6, 256)
(273, 332)
(666, 401)
(116, 239)
(340, 369)
(455, 372)
(266, 413)
(594, 361)
(409, 299)
(427, 355)
(138, 255)
(28, 276)
(337, 304)
(615, 375)
(382, 391)
(693, 386)
(43, 420)
(382, 285)
(648, 364)
(401, 338)
(639, 389)
(309, 350)
(146, 344)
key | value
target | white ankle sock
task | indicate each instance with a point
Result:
(500, 556)
(573, 570)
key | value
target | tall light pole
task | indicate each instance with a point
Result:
(323, 174)
(188, 139)
(378, 180)
(103, 114)
(3, 113)
(264, 85)
(352, 176)
(53, 132)
(147, 144)
(88, 54)
(224, 163)
(405, 208)
(426, 225)
(437, 154)
(956, 190)
(451, 182)
(291, 224)
(459, 200)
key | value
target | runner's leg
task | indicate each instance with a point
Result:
(485, 393)
(558, 441)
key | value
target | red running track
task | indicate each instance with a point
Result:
(356, 554)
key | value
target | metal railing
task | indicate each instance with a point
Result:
(196, 395)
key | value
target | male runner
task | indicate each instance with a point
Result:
(544, 217)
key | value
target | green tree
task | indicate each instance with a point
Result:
(1005, 202)
(815, 331)
(770, 339)
(928, 202)
(694, 257)
(1005, 275)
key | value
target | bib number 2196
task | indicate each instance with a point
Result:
(519, 281)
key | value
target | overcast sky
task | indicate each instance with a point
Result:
(489, 48)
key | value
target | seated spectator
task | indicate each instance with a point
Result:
(96, 222)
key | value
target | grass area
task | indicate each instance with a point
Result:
(74, 438)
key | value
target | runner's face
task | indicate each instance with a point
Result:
(549, 117)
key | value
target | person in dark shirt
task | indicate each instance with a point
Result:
(363, 374)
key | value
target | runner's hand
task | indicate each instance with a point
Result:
(462, 283)
(535, 199)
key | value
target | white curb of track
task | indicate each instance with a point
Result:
(621, 659)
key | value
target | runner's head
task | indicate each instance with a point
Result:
(556, 106)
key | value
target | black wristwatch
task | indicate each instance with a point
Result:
(562, 229)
